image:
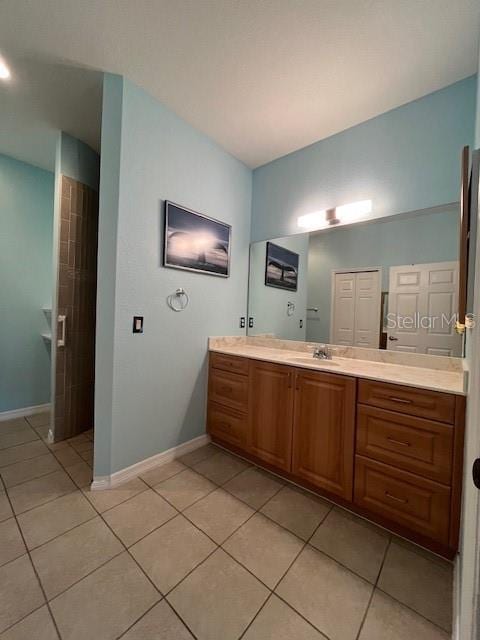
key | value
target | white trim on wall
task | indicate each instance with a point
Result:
(26, 411)
(108, 482)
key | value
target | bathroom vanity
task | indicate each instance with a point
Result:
(377, 436)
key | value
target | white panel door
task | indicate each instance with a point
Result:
(367, 309)
(343, 308)
(404, 306)
(422, 304)
(356, 309)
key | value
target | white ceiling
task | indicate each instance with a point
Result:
(261, 77)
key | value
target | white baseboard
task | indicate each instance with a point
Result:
(21, 413)
(108, 482)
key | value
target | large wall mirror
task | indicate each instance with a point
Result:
(390, 283)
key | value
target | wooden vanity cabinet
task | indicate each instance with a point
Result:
(324, 431)
(227, 411)
(270, 421)
(392, 453)
(408, 464)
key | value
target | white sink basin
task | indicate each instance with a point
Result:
(316, 362)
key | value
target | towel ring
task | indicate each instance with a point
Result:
(179, 300)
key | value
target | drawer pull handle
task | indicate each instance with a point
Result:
(402, 500)
(400, 442)
(224, 425)
(402, 400)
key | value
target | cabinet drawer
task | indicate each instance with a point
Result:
(420, 505)
(227, 424)
(229, 389)
(229, 363)
(409, 443)
(414, 402)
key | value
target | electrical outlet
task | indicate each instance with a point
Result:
(250, 322)
(242, 322)
(301, 324)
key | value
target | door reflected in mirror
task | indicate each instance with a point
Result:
(386, 284)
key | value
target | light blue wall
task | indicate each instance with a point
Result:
(106, 269)
(431, 237)
(404, 160)
(268, 305)
(159, 378)
(79, 161)
(26, 220)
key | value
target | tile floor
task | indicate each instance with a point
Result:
(205, 547)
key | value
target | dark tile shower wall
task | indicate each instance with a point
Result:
(77, 285)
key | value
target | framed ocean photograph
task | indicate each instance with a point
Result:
(281, 267)
(195, 242)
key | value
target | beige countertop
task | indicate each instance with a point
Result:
(411, 376)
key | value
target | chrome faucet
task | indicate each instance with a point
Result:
(322, 352)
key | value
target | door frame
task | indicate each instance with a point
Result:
(466, 621)
(333, 273)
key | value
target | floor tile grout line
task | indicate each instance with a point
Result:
(62, 468)
(217, 486)
(13, 464)
(19, 444)
(131, 555)
(306, 543)
(190, 505)
(47, 473)
(365, 613)
(392, 541)
(67, 493)
(349, 569)
(220, 546)
(304, 546)
(46, 602)
(264, 604)
(159, 466)
(70, 586)
(364, 618)
(217, 546)
(59, 535)
(138, 619)
(38, 455)
(437, 626)
(194, 635)
(86, 490)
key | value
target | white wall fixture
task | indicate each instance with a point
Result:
(343, 214)
(179, 300)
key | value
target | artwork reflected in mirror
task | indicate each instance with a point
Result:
(385, 284)
(195, 242)
(281, 267)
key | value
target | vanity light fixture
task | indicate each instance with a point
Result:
(4, 70)
(344, 213)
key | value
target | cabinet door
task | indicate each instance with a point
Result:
(271, 413)
(324, 429)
